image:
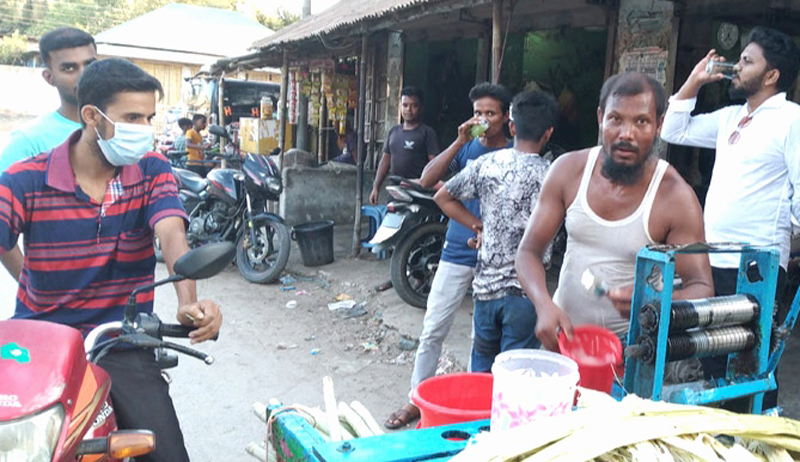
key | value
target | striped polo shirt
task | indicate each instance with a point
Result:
(84, 258)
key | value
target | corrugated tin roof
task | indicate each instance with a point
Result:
(188, 29)
(343, 14)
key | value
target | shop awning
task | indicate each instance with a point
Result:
(348, 13)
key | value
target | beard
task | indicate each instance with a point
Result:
(69, 95)
(620, 173)
(747, 88)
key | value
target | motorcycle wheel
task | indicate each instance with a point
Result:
(263, 262)
(157, 250)
(414, 263)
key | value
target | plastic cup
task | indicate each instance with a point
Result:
(530, 384)
(479, 129)
(715, 66)
(597, 351)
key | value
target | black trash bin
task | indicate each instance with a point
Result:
(315, 240)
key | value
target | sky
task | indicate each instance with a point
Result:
(296, 6)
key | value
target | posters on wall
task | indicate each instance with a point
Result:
(319, 81)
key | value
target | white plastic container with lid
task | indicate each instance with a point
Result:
(530, 384)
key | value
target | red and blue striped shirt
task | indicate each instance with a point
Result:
(84, 258)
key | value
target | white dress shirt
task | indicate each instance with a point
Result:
(751, 196)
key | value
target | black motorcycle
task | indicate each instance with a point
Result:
(230, 205)
(415, 228)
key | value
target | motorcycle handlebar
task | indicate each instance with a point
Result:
(178, 331)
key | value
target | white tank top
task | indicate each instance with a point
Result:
(609, 248)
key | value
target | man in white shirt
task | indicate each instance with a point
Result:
(757, 166)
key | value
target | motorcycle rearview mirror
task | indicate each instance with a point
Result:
(199, 263)
(205, 261)
(216, 130)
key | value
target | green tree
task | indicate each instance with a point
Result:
(12, 48)
(280, 19)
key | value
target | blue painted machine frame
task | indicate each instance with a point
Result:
(299, 441)
(749, 373)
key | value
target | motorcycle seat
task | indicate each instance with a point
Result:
(424, 195)
(191, 180)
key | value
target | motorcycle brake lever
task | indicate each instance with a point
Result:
(208, 359)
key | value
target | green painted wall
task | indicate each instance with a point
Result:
(445, 70)
(570, 64)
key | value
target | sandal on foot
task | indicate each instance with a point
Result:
(402, 417)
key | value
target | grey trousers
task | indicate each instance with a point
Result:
(450, 285)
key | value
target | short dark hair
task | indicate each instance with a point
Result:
(412, 92)
(104, 79)
(61, 39)
(197, 117)
(533, 113)
(781, 53)
(183, 122)
(494, 91)
(632, 84)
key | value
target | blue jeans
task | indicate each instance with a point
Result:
(502, 324)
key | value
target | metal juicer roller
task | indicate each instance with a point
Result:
(730, 310)
(695, 344)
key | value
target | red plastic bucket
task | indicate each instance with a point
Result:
(597, 351)
(453, 398)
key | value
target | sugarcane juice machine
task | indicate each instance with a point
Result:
(740, 326)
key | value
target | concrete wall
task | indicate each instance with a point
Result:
(323, 193)
(25, 92)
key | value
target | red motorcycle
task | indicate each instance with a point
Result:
(54, 400)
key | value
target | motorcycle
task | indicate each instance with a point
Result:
(415, 229)
(230, 205)
(54, 398)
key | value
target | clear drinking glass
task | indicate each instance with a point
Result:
(720, 67)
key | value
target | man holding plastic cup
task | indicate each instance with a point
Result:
(757, 168)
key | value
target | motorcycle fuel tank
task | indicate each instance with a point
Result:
(42, 364)
(222, 183)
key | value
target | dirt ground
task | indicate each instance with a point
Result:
(267, 350)
(9, 121)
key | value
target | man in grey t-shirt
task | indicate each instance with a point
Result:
(507, 183)
(408, 146)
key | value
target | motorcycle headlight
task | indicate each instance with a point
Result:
(275, 185)
(32, 438)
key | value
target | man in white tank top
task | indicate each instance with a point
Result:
(615, 199)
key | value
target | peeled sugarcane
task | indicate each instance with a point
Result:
(349, 417)
(331, 409)
(365, 415)
(257, 451)
(617, 432)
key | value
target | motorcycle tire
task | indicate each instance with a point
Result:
(257, 263)
(157, 250)
(414, 263)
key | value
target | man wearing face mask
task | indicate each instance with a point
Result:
(89, 210)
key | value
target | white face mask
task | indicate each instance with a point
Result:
(128, 145)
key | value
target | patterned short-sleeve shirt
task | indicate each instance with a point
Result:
(507, 183)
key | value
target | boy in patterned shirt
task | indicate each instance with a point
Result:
(507, 183)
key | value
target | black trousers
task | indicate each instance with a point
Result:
(725, 280)
(141, 400)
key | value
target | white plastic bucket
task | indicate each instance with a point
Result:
(529, 384)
